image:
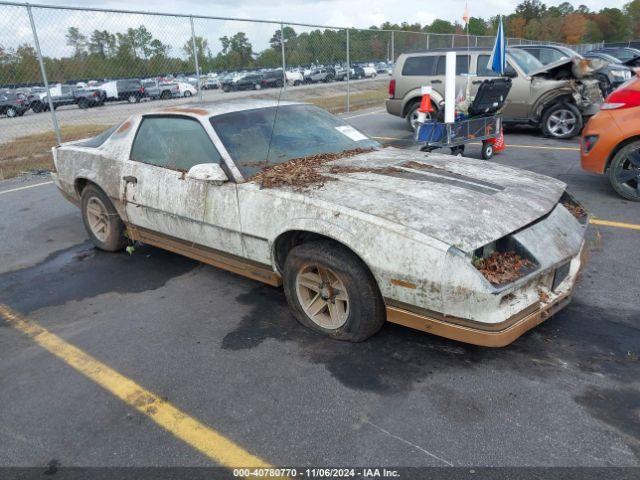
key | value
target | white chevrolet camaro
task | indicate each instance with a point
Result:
(387, 234)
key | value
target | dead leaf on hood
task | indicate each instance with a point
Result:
(304, 171)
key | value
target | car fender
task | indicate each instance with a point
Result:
(562, 95)
(416, 94)
(399, 276)
(331, 230)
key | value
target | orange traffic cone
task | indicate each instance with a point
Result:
(498, 144)
(425, 104)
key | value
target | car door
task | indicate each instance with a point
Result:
(160, 196)
(517, 105)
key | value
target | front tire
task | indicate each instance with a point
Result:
(332, 292)
(187, 94)
(562, 120)
(624, 172)
(133, 98)
(12, 112)
(103, 224)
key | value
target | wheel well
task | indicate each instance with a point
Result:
(556, 100)
(288, 240)
(618, 147)
(81, 183)
(409, 105)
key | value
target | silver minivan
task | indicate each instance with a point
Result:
(549, 96)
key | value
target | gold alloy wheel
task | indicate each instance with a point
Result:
(322, 296)
(98, 218)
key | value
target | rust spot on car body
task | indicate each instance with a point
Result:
(194, 111)
(124, 127)
(402, 283)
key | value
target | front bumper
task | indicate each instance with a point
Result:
(474, 335)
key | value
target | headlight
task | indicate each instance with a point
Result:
(621, 73)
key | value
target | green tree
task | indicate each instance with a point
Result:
(632, 10)
(76, 40)
(613, 24)
(102, 43)
(530, 9)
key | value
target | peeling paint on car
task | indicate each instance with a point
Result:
(414, 219)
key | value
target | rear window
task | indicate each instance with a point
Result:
(418, 66)
(98, 140)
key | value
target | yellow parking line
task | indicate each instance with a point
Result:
(214, 445)
(608, 223)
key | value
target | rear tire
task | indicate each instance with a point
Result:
(325, 277)
(624, 172)
(412, 116)
(103, 224)
(11, 112)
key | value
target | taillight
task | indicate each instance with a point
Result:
(621, 99)
(392, 88)
(141, 89)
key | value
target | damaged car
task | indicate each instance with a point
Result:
(557, 97)
(357, 234)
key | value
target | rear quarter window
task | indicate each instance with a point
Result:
(414, 66)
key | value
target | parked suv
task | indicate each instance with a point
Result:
(251, 81)
(272, 78)
(610, 74)
(13, 104)
(551, 96)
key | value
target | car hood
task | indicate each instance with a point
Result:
(580, 67)
(462, 202)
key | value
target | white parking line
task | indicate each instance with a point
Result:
(25, 187)
(364, 114)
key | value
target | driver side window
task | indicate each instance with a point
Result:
(176, 143)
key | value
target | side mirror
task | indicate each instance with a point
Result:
(510, 72)
(208, 172)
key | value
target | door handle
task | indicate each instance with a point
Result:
(476, 82)
(436, 81)
(130, 179)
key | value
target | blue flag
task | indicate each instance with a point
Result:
(498, 58)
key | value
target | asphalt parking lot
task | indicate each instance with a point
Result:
(226, 353)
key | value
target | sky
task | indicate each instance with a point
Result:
(352, 13)
(53, 24)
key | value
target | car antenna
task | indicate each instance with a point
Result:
(275, 118)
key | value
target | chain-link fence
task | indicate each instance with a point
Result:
(68, 72)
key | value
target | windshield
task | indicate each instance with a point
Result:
(527, 62)
(266, 136)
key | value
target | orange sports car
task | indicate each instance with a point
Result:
(611, 140)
